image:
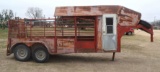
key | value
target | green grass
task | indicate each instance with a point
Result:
(3, 43)
(3, 38)
(3, 33)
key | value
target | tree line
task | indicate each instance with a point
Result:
(7, 14)
(156, 24)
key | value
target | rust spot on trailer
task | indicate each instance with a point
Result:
(99, 37)
(65, 43)
(62, 10)
(126, 17)
(108, 9)
(85, 10)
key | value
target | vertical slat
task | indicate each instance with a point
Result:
(44, 29)
(18, 29)
(9, 39)
(30, 31)
(75, 40)
(95, 31)
(152, 34)
(55, 37)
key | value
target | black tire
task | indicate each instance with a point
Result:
(22, 53)
(145, 24)
(129, 33)
(40, 54)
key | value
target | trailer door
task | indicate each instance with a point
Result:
(109, 32)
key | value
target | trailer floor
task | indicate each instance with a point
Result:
(138, 55)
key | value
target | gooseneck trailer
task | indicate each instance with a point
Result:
(74, 29)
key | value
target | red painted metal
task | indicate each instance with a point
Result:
(9, 40)
(41, 19)
(85, 44)
(152, 34)
(122, 29)
(55, 38)
(66, 34)
(145, 29)
(95, 38)
(75, 39)
(30, 31)
(44, 30)
(150, 31)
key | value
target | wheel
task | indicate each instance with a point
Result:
(22, 53)
(40, 54)
(129, 33)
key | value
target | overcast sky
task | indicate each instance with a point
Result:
(148, 8)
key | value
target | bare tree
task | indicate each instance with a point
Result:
(34, 12)
(5, 15)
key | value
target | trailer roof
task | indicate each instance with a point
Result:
(88, 10)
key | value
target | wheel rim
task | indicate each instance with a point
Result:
(22, 53)
(40, 55)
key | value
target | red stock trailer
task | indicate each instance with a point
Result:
(75, 29)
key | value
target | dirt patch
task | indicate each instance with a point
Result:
(138, 55)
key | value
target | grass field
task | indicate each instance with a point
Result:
(3, 38)
(3, 33)
(138, 55)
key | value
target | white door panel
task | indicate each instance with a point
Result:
(109, 28)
